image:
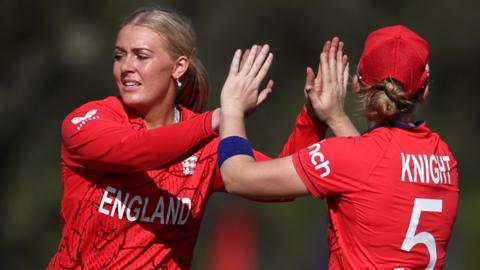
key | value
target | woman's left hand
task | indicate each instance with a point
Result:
(327, 90)
(240, 93)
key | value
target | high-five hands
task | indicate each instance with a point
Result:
(326, 91)
(240, 93)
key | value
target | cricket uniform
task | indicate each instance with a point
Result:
(392, 196)
(133, 198)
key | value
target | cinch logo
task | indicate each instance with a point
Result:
(81, 120)
(189, 165)
(318, 159)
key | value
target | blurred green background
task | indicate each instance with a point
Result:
(56, 55)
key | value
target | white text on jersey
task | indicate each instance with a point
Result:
(318, 159)
(135, 208)
(426, 169)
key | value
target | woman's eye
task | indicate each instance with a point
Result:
(117, 57)
(142, 56)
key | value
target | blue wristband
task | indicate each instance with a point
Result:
(231, 146)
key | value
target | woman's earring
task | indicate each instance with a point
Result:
(179, 84)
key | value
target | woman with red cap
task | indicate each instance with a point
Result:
(392, 192)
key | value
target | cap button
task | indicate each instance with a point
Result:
(398, 36)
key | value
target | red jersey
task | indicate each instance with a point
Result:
(392, 197)
(133, 198)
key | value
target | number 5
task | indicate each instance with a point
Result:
(411, 239)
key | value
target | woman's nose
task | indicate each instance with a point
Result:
(127, 64)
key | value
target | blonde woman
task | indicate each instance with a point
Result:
(139, 168)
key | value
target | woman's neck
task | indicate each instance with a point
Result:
(166, 118)
(406, 121)
(161, 114)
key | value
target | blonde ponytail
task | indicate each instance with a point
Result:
(194, 93)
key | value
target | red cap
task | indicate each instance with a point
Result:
(395, 52)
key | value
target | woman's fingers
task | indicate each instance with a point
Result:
(331, 80)
(345, 78)
(240, 91)
(335, 41)
(259, 60)
(339, 64)
(341, 44)
(235, 62)
(326, 46)
(244, 57)
(265, 92)
(317, 85)
(325, 68)
(331, 57)
(264, 67)
(309, 80)
(309, 77)
(249, 60)
(319, 68)
(332, 63)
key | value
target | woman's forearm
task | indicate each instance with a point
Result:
(343, 126)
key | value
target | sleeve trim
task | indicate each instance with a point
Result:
(302, 172)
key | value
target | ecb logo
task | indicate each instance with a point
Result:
(189, 165)
(318, 160)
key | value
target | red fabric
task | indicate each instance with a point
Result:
(371, 184)
(111, 139)
(395, 52)
(134, 198)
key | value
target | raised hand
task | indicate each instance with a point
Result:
(240, 93)
(327, 90)
(312, 82)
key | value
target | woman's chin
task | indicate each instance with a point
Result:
(132, 101)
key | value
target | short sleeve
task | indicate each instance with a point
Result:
(334, 166)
